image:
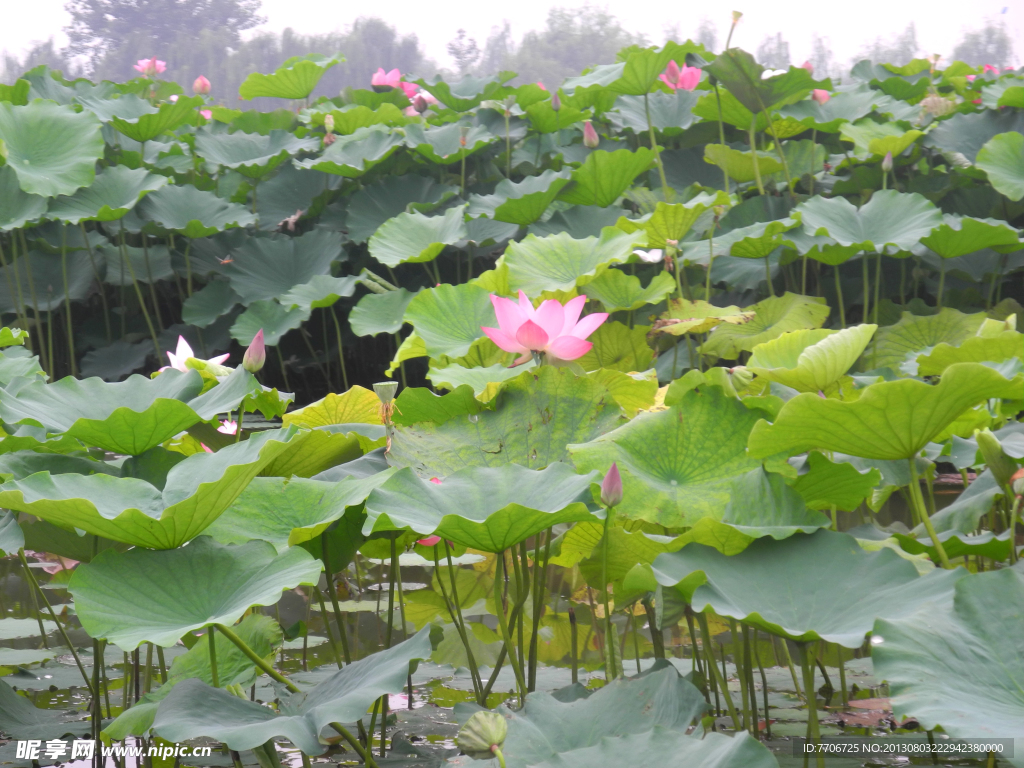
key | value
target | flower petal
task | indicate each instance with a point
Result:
(183, 351)
(509, 314)
(526, 305)
(531, 336)
(569, 347)
(587, 326)
(550, 316)
(504, 340)
(572, 313)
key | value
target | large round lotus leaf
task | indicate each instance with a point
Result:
(976, 349)
(271, 318)
(604, 176)
(17, 207)
(194, 709)
(467, 92)
(890, 420)
(878, 139)
(380, 312)
(150, 596)
(772, 317)
(826, 484)
(520, 202)
(670, 113)
(355, 406)
(261, 633)
(295, 79)
(352, 156)
(841, 108)
(484, 380)
(52, 149)
(618, 347)
(170, 115)
(897, 343)
(967, 132)
(572, 409)
(757, 241)
(739, 165)
(960, 235)
(150, 265)
(375, 203)
(127, 417)
(799, 587)
(115, 191)
(486, 508)
(544, 119)
(327, 447)
(286, 512)
(618, 291)
(557, 262)
(11, 537)
(810, 360)
(21, 719)
(265, 267)
(449, 143)
(193, 212)
(289, 193)
(252, 154)
(960, 665)
(413, 237)
(683, 316)
(448, 318)
(320, 291)
(133, 511)
(677, 465)
(213, 300)
(1002, 158)
(743, 76)
(889, 218)
(352, 117)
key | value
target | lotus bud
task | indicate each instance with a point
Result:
(808, 66)
(556, 103)
(256, 355)
(887, 162)
(385, 390)
(483, 735)
(1003, 468)
(201, 86)
(419, 103)
(329, 123)
(820, 95)
(611, 487)
(590, 138)
(1017, 482)
(741, 377)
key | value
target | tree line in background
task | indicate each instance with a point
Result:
(106, 37)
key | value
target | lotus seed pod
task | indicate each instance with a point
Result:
(483, 732)
(1018, 482)
(736, 16)
(1003, 468)
(385, 390)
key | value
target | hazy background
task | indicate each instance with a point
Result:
(226, 39)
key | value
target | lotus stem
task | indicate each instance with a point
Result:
(22, 317)
(711, 260)
(573, 638)
(842, 677)
(67, 299)
(768, 275)
(327, 627)
(152, 285)
(456, 618)
(138, 292)
(666, 190)
(97, 703)
(540, 580)
(47, 363)
(942, 285)
(721, 137)
(753, 154)
(839, 298)
(49, 608)
(918, 502)
(764, 689)
(99, 283)
(341, 348)
(500, 607)
(748, 660)
(125, 678)
(211, 634)
(148, 679)
(739, 661)
(652, 621)
(523, 587)
(1014, 512)
(807, 664)
(284, 369)
(709, 650)
(329, 573)
(391, 590)
(610, 672)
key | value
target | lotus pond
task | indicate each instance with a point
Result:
(671, 417)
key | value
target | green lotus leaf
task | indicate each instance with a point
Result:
(413, 237)
(11, 537)
(756, 241)
(356, 406)
(574, 409)
(52, 149)
(966, 133)
(804, 158)
(544, 119)
(482, 380)
(486, 508)
(958, 544)
(12, 337)
(16, 93)
(287, 512)
(195, 709)
(352, 156)
(643, 65)
(21, 719)
(877, 139)
(185, 589)
(265, 267)
(1002, 159)
(320, 291)
(772, 317)
(957, 664)
(150, 265)
(795, 587)
(674, 476)
(976, 349)
(467, 92)
(288, 194)
(618, 291)
(261, 633)
(618, 347)
(380, 312)
(375, 203)
(148, 126)
(444, 145)
(684, 316)
(274, 320)
(671, 113)
(326, 447)
(253, 155)
(960, 235)
(115, 191)
(732, 111)
(213, 300)
(810, 360)
(914, 334)
(193, 212)
(889, 218)
(448, 318)
(583, 544)
(520, 202)
(295, 79)
(672, 221)
(352, 117)
(559, 262)
(843, 107)
(17, 207)
(739, 165)
(604, 176)
(135, 512)
(827, 484)
(126, 105)
(891, 419)
(742, 75)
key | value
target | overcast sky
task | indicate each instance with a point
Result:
(847, 26)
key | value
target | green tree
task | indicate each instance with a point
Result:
(899, 50)
(991, 44)
(707, 34)
(773, 52)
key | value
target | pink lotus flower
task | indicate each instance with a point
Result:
(201, 86)
(150, 67)
(808, 66)
(676, 78)
(989, 69)
(54, 563)
(541, 85)
(228, 427)
(382, 79)
(430, 541)
(820, 96)
(970, 78)
(551, 328)
(180, 356)
(409, 89)
(435, 480)
(206, 113)
(173, 98)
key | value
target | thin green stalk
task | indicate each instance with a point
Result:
(329, 573)
(753, 151)
(782, 156)
(768, 275)
(188, 267)
(97, 703)
(748, 660)
(866, 280)
(508, 148)
(652, 621)
(610, 672)
(47, 363)
(500, 607)
(147, 680)
(839, 297)
(842, 677)
(803, 275)
(473, 668)
(67, 299)
(522, 592)
(496, 750)
(942, 285)
(1014, 512)
(125, 677)
(391, 591)
(711, 260)
(99, 283)
(739, 662)
(284, 370)
(152, 284)
(574, 642)
(327, 626)
(764, 691)
(138, 292)
(539, 589)
(211, 634)
(918, 500)
(665, 189)
(709, 651)
(474, 673)
(341, 348)
(792, 668)
(878, 288)
(22, 317)
(721, 137)
(807, 664)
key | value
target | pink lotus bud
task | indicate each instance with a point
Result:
(556, 103)
(989, 69)
(887, 162)
(970, 78)
(173, 98)
(409, 89)
(676, 78)
(206, 113)
(430, 541)
(419, 104)
(541, 85)
(590, 137)
(611, 487)
(329, 123)
(808, 66)
(256, 355)
(820, 96)
(201, 86)
(150, 67)
(435, 480)
(228, 427)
